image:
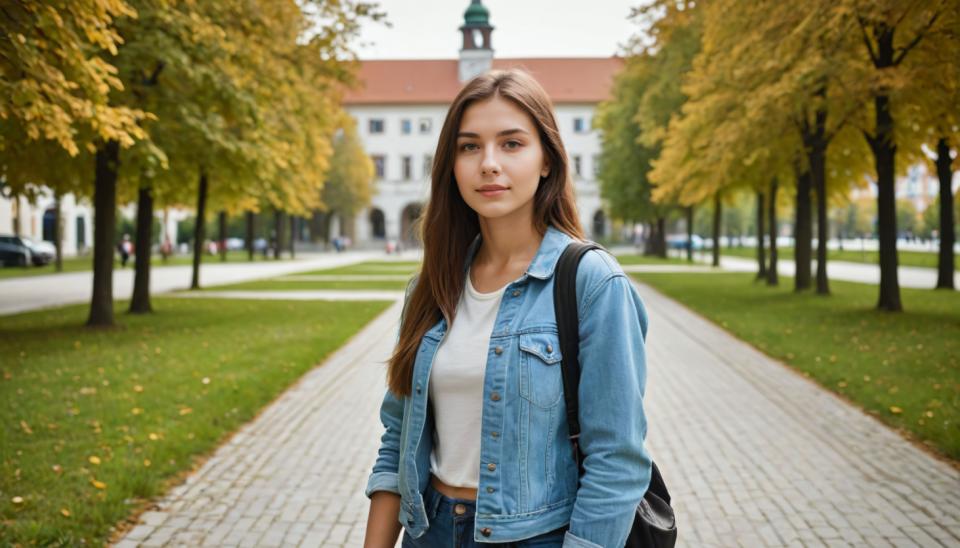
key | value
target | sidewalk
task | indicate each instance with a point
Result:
(754, 455)
(31, 293)
(908, 276)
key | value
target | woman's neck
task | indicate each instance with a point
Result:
(506, 243)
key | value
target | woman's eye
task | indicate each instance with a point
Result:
(466, 147)
(512, 144)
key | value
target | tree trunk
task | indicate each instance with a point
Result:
(293, 235)
(761, 256)
(278, 230)
(222, 229)
(250, 237)
(690, 234)
(818, 176)
(772, 274)
(140, 302)
(17, 213)
(884, 154)
(58, 230)
(717, 219)
(802, 229)
(661, 243)
(199, 229)
(945, 264)
(104, 232)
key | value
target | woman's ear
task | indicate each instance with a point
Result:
(545, 171)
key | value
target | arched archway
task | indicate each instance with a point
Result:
(409, 219)
(378, 224)
(599, 225)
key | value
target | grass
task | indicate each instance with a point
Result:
(85, 264)
(902, 368)
(643, 260)
(382, 268)
(921, 259)
(95, 422)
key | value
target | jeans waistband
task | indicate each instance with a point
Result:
(439, 504)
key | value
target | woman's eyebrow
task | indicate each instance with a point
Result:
(471, 135)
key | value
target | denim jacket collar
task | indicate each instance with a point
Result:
(543, 263)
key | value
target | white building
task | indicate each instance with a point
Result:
(401, 106)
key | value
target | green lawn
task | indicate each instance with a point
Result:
(643, 260)
(902, 368)
(905, 258)
(378, 268)
(84, 264)
(94, 422)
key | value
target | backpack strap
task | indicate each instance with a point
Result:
(568, 327)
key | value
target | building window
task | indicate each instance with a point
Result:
(407, 168)
(406, 126)
(579, 125)
(577, 165)
(379, 165)
(426, 124)
(376, 125)
(427, 165)
(596, 165)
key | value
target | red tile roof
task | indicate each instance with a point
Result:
(567, 80)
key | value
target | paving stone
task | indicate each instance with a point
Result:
(754, 454)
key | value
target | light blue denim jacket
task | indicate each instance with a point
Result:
(528, 477)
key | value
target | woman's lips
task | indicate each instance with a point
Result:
(492, 192)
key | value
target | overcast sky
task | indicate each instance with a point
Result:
(522, 28)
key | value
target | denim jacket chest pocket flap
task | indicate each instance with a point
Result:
(541, 379)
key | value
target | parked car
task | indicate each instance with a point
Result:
(22, 251)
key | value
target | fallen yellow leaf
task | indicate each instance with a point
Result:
(25, 427)
(65, 512)
(57, 468)
(137, 388)
(186, 411)
(94, 460)
(153, 436)
(929, 414)
(895, 410)
(17, 500)
(146, 462)
(98, 484)
(136, 411)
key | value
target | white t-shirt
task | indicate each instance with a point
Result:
(456, 388)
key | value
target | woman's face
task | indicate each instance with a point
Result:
(499, 159)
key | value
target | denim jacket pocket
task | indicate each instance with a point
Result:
(541, 380)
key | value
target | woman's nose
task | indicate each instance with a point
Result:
(489, 165)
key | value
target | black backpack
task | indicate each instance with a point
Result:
(654, 525)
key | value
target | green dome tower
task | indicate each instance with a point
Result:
(476, 54)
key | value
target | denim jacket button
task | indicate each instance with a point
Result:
(516, 292)
(419, 388)
(498, 350)
(549, 349)
(495, 396)
(486, 531)
(492, 467)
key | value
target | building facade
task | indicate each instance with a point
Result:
(401, 105)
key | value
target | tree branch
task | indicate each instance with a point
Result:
(916, 39)
(866, 38)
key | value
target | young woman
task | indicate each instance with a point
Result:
(476, 447)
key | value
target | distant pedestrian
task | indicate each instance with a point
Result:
(125, 248)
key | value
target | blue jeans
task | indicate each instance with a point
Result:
(451, 526)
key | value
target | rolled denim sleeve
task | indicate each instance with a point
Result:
(384, 475)
(617, 467)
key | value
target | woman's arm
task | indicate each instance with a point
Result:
(383, 528)
(613, 325)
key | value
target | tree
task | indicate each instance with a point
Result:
(890, 31)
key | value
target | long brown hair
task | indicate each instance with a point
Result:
(448, 225)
